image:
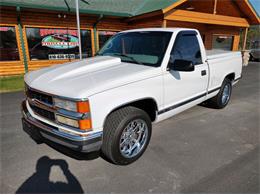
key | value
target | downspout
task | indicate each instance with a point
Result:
(20, 28)
(95, 31)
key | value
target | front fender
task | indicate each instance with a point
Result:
(102, 104)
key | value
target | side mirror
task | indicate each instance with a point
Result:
(181, 65)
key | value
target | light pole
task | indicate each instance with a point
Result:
(78, 28)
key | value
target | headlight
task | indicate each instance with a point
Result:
(67, 121)
(81, 106)
(65, 104)
(84, 124)
(76, 106)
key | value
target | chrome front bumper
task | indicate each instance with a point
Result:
(39, 131)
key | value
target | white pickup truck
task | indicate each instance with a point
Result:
(108, 103)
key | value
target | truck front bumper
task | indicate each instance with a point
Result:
(39, 131)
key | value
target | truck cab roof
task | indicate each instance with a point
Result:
(160, 30)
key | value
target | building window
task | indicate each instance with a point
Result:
(57, 44)
(222, 42)
(103, 36)
(8, 44)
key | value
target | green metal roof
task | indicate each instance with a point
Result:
(123, 8)
(151, 5)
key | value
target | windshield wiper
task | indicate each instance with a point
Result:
(130, 57)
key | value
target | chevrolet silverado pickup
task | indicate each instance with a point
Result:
(108, 102)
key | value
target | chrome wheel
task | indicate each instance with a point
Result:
(133, 138)
(226, 94)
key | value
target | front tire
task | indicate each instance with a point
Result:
(222, 98)
(127, 132)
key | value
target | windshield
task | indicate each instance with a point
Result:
(146, 48)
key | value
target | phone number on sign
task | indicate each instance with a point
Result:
(61, 56)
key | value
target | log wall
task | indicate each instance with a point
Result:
(49, 19)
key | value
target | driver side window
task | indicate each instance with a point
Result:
(186, 47)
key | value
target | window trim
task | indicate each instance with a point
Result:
(55, 27)
(228, 35)
(18, 44)
(101, 29)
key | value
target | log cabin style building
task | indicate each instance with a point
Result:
(36, 34)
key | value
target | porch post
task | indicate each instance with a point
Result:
(95, 32)
(245, 53)
(20, 29)
(244, 39)
(95, 39)
(164, 24)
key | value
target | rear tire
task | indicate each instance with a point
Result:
(127, 132)
(222, 98)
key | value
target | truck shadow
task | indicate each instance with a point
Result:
(39, 182)
(206, 104)
(77, 155)
(71, 153)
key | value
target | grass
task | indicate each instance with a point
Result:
(11, 83)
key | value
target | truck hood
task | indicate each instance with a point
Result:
(82, 79)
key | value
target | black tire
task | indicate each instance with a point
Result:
(114, 126)
(216, 101)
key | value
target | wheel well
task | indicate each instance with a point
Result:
(148, 105)
(231, 77)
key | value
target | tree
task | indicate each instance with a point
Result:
(252, 35)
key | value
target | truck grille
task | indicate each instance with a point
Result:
(42, 98)
(39, 96)
(44, 113)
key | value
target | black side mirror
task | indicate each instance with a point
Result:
(181, 65)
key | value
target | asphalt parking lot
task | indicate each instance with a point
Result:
(201, 150)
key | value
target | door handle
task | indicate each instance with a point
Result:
(203, 72)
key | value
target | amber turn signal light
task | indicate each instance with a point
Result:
(85, 124)
(83, 107)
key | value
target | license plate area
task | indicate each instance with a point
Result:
(32, 131)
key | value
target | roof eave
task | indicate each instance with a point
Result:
(172, 6)
(256, 20)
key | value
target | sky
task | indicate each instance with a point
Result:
(256, 5)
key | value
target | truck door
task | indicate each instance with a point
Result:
(183, 89)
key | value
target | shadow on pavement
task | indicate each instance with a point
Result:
(72, 153)
(39, 182)
(76, 155)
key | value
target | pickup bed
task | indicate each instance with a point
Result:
(108, 102)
